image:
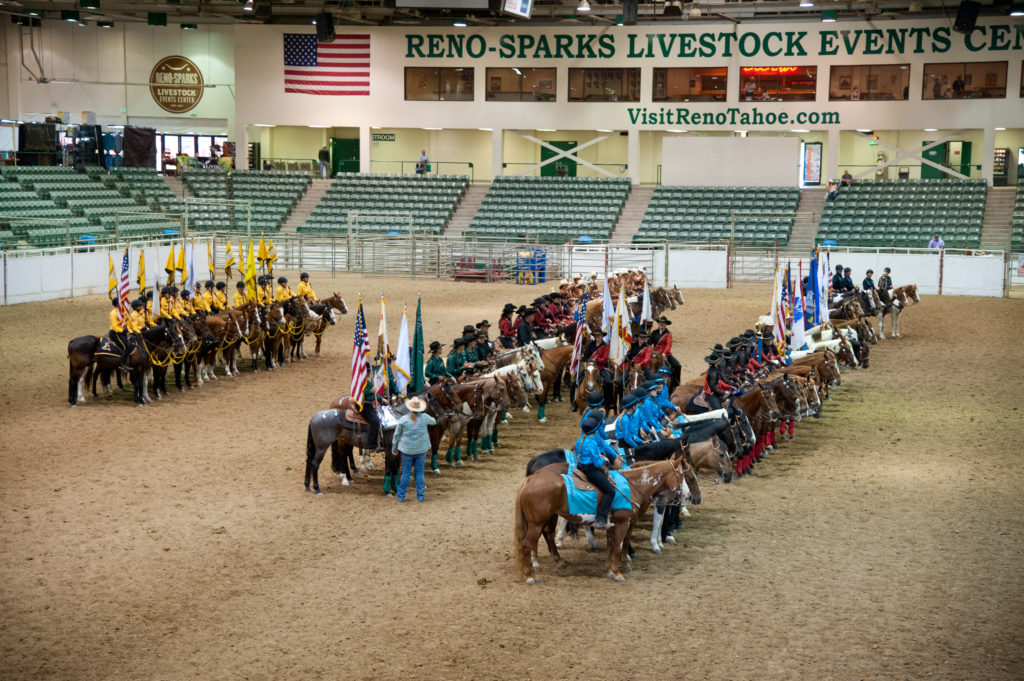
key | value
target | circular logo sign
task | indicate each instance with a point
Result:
(176, 84)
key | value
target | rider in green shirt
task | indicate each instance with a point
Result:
(456, 358)
(435, 369)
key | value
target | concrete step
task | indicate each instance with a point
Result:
(302, 209)
(996, 223)
(466, 209)
(632, 214)
(177, 186)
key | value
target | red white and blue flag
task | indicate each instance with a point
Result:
(360, 358)
(580, 316)
(123, 308)
(338, 68)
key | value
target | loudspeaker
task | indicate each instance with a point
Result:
(966, 16)
(325, 27)
(629, 12)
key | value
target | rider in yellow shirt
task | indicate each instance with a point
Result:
(136, 321)
(239, 299)
(284, 292)
(305, 289)
(170, 306)
(199, 301)
(220, 297)
(183, 304)
(118, 333)
(264, 294)
(208, 297)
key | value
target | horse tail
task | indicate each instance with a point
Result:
(310, 446)
(338, 462)
(519, 551)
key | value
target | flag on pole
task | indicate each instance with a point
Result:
(824, 280)
(191, 270)
(383, 348)
(799, 339)
(229, 258)
(360, 358)
(787, 293)
(209, 259)
(646, 316)
(156, 299)
(416, 381)
(828, 269)
(111, 278)
(262, 255)
(250, 274)
(580, 316)
(778, 321)
(169, 267)
(402, 365)
(140, 278)
(123, 309)
(180, 266)
(607, 312)
(271, 256)
(621, 335)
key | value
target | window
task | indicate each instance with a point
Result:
(444, 84)
(965, 80)
(604, 85)
(521, 85)
(778, 83)
(690, 85)
(877, 82)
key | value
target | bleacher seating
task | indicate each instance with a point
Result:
(906, 213)
(550, 209)
(143, 185)
(389, 200)
(272, 193)
(1017, 229)
(208, 183)
(25, 192)
(694, 213)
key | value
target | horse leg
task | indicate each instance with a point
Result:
(316, 350)
(549, 537)
(560, 531)
(74, 384)
(529, 549)
(659, 519)
(616, 547)
(588, 531)
(896, 314)
(145, 387)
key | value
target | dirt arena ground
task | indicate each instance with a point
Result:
(175, 541)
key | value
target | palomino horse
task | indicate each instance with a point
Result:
(542, 496)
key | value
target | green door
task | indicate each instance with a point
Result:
(936, 154)
(962, 161)
(344, 156)
(566, 165)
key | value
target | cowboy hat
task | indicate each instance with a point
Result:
(629, 400)
(482, 324)
(457, 342)
(469, 328)
(664, 320)
(416, 404)
(436, 345)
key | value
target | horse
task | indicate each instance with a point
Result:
(327, 317)
(542, 496)
(332, 428)
(139, 360)
(553, 363)
(590, 382)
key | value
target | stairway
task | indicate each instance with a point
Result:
(632, 214)
(302, 209)
(805, 225)
(177, 186)
(996, 224)
(466, 209)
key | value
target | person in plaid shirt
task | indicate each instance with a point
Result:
(412, 440)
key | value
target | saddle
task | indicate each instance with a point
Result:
(351, 410)
(582, 497)
(701, 400)
(109, 347)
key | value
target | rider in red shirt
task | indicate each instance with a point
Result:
(506, 330)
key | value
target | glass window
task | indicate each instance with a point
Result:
(965, 80)
(204, 147)
(521, 85)
(877, 82)
(604, 85)
(433, 84)
(690, 85)
(778, 83)
(188, 145)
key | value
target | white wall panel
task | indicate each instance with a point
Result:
(968, 275)
(697, 269)
(730, 161)
(907, 268)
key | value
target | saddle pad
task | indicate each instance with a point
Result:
(387, 416)
(109, 347)
(584, 500)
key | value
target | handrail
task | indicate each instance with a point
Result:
(312, 165)
(621, 169)
(433, 167)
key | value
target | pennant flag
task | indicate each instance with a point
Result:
(607, 312)
(250, 274)
(209, 259)
(111, 278)
(341, 67)
(402, 365)
(646, 317)
(169, 267)
(140, 278)
(383, 348)
(416, 381)
(124, 309)
(360, 358)
(262, 254)
(229, 258)
(799, 321)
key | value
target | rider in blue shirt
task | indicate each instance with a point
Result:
(592, 453)
(626, 429)
(662, 399)
(595, 405)
(649, 412)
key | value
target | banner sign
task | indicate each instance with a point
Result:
(176, 84)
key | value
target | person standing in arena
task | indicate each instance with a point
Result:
(412, 441)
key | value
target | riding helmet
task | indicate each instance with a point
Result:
(595, 399)
(665, 370)
(138, 303)
(221, 285)
(304, 275)
(209, 283)
(240, 285)
(591, 423)
(282, 280)
(648, 386)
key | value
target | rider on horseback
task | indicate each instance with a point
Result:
(627, 431)
(592, 455)
(595, 405)
(714, 385)
(305, 289)
(649, 412)
(435, 369)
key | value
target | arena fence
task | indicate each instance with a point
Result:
(62, 272)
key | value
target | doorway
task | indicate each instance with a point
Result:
(344, 155)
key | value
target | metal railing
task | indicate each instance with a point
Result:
(301, 164)
(616, 169)
(433, 167)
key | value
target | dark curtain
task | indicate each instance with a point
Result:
(139, 147)
(37, 143)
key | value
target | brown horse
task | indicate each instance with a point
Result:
(327, 317)
(542, 497)
(590, 381)
(554, 363)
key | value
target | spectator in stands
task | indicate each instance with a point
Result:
(325, 163)
(937, 242)
(868, 282)
(847, 179)
(421, 164)
(832, 191)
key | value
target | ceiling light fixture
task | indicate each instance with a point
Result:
(1000, 128)
(190, 27)
(248, 6)
(264, 125)
(545, 129)
(88, 4)
(799, 131)
(461, 23)
(70, 15)
(1017, 9)
(433, 128)
(828, 16)
(806, 3)
(931, 129)
(105, 24)
(676, 131)
(584, 6)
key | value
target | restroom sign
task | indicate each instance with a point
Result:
(176, 84)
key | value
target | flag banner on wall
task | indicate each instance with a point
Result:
(338, 68)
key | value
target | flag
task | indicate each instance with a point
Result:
(338, 68)
(124, 309)
(383, 348)
(111, 278)
(778, 321)
(824, 281)
(828, 269)
(180, 266)
(271, 256)
(156, 299)
(811, 294)
(607, 312)
(209, 259)
(229, 258)
(380, 380)
(646, 317)
(190, 276)
(360, 358)
(416, 381)
(799, 340)
(169, 267)
(580, 316)
(140, 278)
(621, 336)
(262, 255)
(402, 365)
(787, 292)
(250, 274)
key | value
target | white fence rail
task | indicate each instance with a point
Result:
(46, 274)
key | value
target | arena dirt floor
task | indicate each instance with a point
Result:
(175, 541)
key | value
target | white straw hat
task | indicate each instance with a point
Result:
(416, 404)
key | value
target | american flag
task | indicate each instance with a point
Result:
(360, 358)
(580, 315)
(338, 68)
(123, 308)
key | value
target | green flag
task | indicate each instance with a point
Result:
(416, 382)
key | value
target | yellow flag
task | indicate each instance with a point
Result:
(271, 256)
(111, 277)
(250, 274)
(229, 258)
(209, 260)
(141, 279)
(181, 263)
(169, 267)
(262, 255)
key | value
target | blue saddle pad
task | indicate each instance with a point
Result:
(586, 502)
